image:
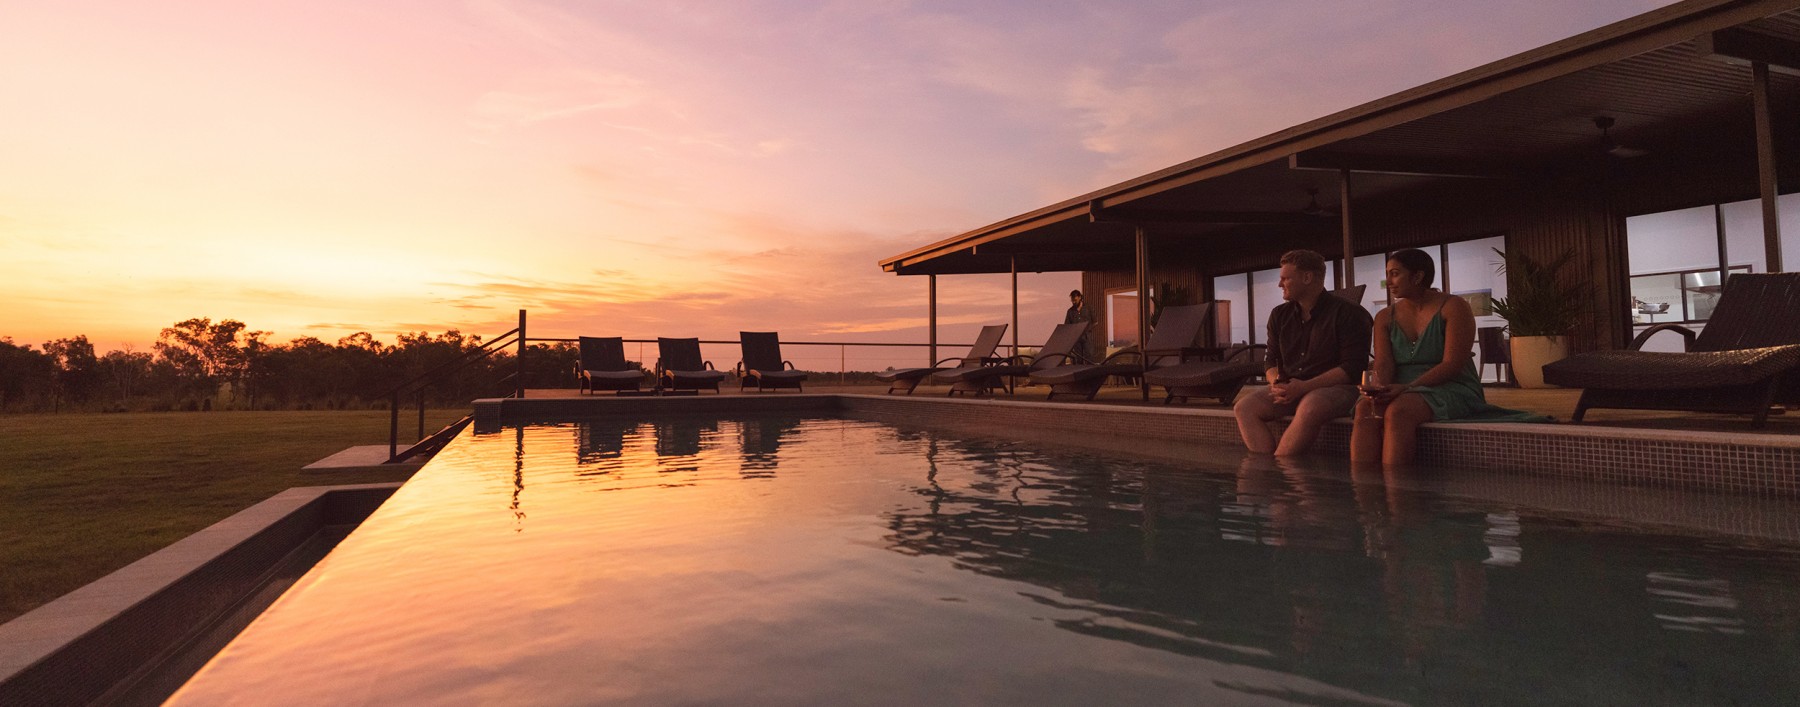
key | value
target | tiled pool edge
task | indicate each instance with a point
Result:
(1737, 463)
(75, 649)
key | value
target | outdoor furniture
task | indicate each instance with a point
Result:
(1172, 342)
(1221, 379)
(1742, 361)
(679, 367)
(603, 366)
(1495, 349)
(981, 378)
(762, 362)
(1352, 294)
(906, 379)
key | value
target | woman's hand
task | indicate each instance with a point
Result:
(1386, 393)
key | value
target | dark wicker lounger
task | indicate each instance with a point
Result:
(603, 366)
(979, 379)
(906, 379)
(1176, 331)
(680, 367)
(1209, 379)
(763, 364)
(1743, 361)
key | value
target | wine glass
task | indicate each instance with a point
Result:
(1370, 383)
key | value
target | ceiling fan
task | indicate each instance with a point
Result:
(1611, 147)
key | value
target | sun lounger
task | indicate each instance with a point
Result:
(906, 379)
(1743, 361)
(679, 367)
(979, 379)
(1210, 379)
(603, 366)
(1173, 340)
(762, 363)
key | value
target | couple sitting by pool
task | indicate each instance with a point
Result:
(1424, 368)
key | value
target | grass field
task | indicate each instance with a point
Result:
(82, 495)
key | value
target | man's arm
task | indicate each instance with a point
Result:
(1354, 337)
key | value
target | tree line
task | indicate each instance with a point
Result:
(199, 364)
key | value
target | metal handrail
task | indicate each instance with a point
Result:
(518, 337)
(468, 356)
(784, 342)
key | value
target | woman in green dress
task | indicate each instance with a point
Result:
(1424, 367)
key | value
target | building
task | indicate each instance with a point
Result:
(1654, 149)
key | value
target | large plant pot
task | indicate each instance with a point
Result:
(1531, 353)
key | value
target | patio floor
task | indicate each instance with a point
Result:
(1555, 402)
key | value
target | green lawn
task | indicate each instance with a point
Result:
(82, 495)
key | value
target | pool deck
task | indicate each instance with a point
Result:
(1656, 449)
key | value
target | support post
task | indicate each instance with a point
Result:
(1346, 274)
(421, 413)
(519, 376)
(1719, 232)
(1014, 260)
(1143, 305)
(931, 318)
(1765, 163)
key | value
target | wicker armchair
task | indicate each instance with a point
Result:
(1743, 361)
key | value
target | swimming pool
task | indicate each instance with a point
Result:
(779, 560)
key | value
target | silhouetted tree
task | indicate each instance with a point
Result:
(125, 370)
(208, 355)
(77, 372)
(25, 376)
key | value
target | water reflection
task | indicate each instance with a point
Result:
(760, 440)
(922, 568)
(1355, 578)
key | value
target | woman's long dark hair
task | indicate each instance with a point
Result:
(1415, 260)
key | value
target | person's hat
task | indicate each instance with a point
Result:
(1074, 293)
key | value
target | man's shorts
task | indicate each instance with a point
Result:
(1338, 400)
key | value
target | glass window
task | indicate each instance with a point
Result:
(1265, 285)
(1121, 317)
(1473, 273)
(1672, 241)
(1743, 238)
(1232, 294)
(1371, 272)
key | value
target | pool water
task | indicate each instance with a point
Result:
(832, 561)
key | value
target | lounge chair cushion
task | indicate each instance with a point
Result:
(1078, 372)
(1654, 370)
(781, 375)
(968, 373)
(1202, 373)
(900, 374)
(700, 375)
(616, 375)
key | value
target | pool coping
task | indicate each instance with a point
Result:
(95, 640)
(1731, 462)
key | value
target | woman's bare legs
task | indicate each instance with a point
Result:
(1400, 428)
(1365, 435)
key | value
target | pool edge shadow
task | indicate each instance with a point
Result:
(119, 638)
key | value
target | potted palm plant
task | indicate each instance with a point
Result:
(1540, 311)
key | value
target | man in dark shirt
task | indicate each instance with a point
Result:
(1318, 349)
(1079, 312)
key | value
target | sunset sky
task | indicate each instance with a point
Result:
(630, 168)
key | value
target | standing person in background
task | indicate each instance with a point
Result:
(1318, 349)
(1080, 312)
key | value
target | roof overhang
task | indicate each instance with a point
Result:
(1659, 74)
